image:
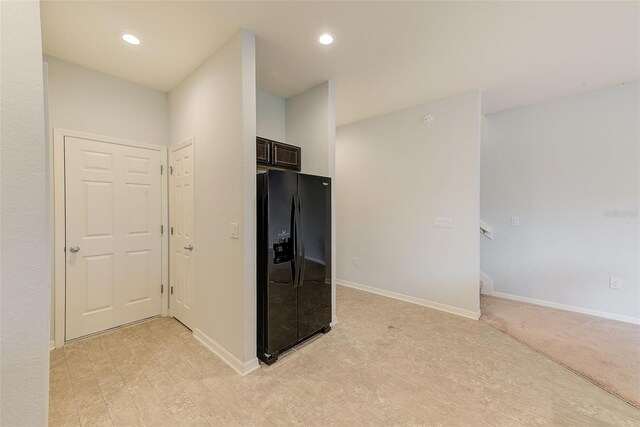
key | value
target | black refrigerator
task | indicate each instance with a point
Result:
(294, 260)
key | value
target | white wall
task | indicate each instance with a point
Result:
(24, 257)
(216, 105)
(307, 118)
(310, 121)
(85, 100)
(560, 166)
(270, 116)
(394, 175)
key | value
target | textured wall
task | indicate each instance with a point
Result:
(307, 118)
(216, 105)
(570, 170)
(394, 174)
(270, 116)
(85, 100)
(24, 256)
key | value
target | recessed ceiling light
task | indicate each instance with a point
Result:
(325, 39)
(131, 39)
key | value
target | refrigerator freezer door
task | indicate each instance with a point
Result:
(314, 284)
(281, 312)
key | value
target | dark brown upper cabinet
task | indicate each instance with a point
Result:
(286, 156)
(278, 155)
(263, 151)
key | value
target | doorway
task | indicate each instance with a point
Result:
(109, 225)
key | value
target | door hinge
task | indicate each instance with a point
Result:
(161, 228)
(161, 169)
(171, 290)
(171, 170)
(162, 289)
(172, 230)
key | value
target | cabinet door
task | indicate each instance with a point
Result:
(263, 151)
(285, 156)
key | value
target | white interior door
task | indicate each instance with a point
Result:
(181, 218)
(113, 241)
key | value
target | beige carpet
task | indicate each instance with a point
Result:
(604, 351)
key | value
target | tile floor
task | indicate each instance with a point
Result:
(386, 363)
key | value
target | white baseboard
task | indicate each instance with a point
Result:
(604, 314)
(223, 353)
(487, 284)
(52, 345)
(414, 300)
(334, 321)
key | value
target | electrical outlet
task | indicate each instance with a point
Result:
(355, 261)
(615, 283)
(515, 221)
(442, 222)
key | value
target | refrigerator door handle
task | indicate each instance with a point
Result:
(302, 260)
(294, 243)
(301, 266)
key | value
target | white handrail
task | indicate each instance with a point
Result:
(486, 230)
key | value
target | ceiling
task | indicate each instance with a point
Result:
(386, 55)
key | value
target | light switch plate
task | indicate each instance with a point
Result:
(515, 221)
(442, 222)
(235, 232)
(615, 283)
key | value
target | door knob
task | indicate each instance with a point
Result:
(74, 249)
(189, 248)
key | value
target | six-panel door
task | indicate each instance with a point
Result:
(181, 218)
(113, 240)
